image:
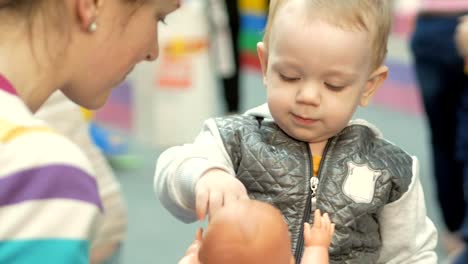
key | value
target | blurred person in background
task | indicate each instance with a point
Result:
(462, 132)
(443, 83)
(225, 21)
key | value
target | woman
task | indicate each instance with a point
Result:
(49, 200)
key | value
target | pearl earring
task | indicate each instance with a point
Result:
(93, 27)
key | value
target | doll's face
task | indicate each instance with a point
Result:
(242, 233)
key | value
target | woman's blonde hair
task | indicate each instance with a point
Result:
(373, 16)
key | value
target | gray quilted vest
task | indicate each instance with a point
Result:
(277, 169)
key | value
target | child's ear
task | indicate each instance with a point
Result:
(263, 57)
(375, 81)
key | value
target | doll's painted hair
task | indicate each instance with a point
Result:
(247, 232)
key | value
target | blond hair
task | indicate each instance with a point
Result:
(373, 16)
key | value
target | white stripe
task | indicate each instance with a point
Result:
(15, 111)
(58, 218)
(112, 224)
(38, 149)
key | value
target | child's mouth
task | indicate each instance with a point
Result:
(303, 120)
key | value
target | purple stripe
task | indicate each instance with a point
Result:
(5, 85)
(49, 182)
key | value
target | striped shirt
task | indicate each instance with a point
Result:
(67, 118)
(444, 5)
(49, 201)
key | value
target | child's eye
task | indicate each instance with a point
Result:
(334, 87)
(288, 78)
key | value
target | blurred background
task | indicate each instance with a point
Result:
(164, 103)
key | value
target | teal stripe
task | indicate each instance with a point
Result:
(53, 251)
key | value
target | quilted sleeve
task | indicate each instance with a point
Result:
(408, 235)
(179, 168)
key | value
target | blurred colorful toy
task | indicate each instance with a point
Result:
(114, 145)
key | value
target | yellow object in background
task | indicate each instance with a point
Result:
(179, 46)
(252, 6)
(87, 114)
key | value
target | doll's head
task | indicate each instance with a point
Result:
(247, 232)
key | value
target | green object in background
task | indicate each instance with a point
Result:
(248, 41)
(125, 162)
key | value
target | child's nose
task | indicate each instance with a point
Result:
(309, 94)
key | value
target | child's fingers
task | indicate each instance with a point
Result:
(229, 198)
(235, 194)
(242, 192)
(199, 234)
(317, 219)
(327, 217)
(326, 221)
(243, 196)
(215, 203)
(332, 229)
(201, 203)
(306, 232)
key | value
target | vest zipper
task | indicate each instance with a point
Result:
(316, 180)
(311, 204)
(300, 240)
(314, 183)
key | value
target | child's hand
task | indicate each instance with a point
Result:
(215, 189)
(191, 255)
(321, 233)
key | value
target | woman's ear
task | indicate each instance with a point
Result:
(86, 11)
(263, 57)
(376, 80)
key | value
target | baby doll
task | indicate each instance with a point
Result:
(262, 237)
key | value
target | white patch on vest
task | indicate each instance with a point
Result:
(359, 185)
